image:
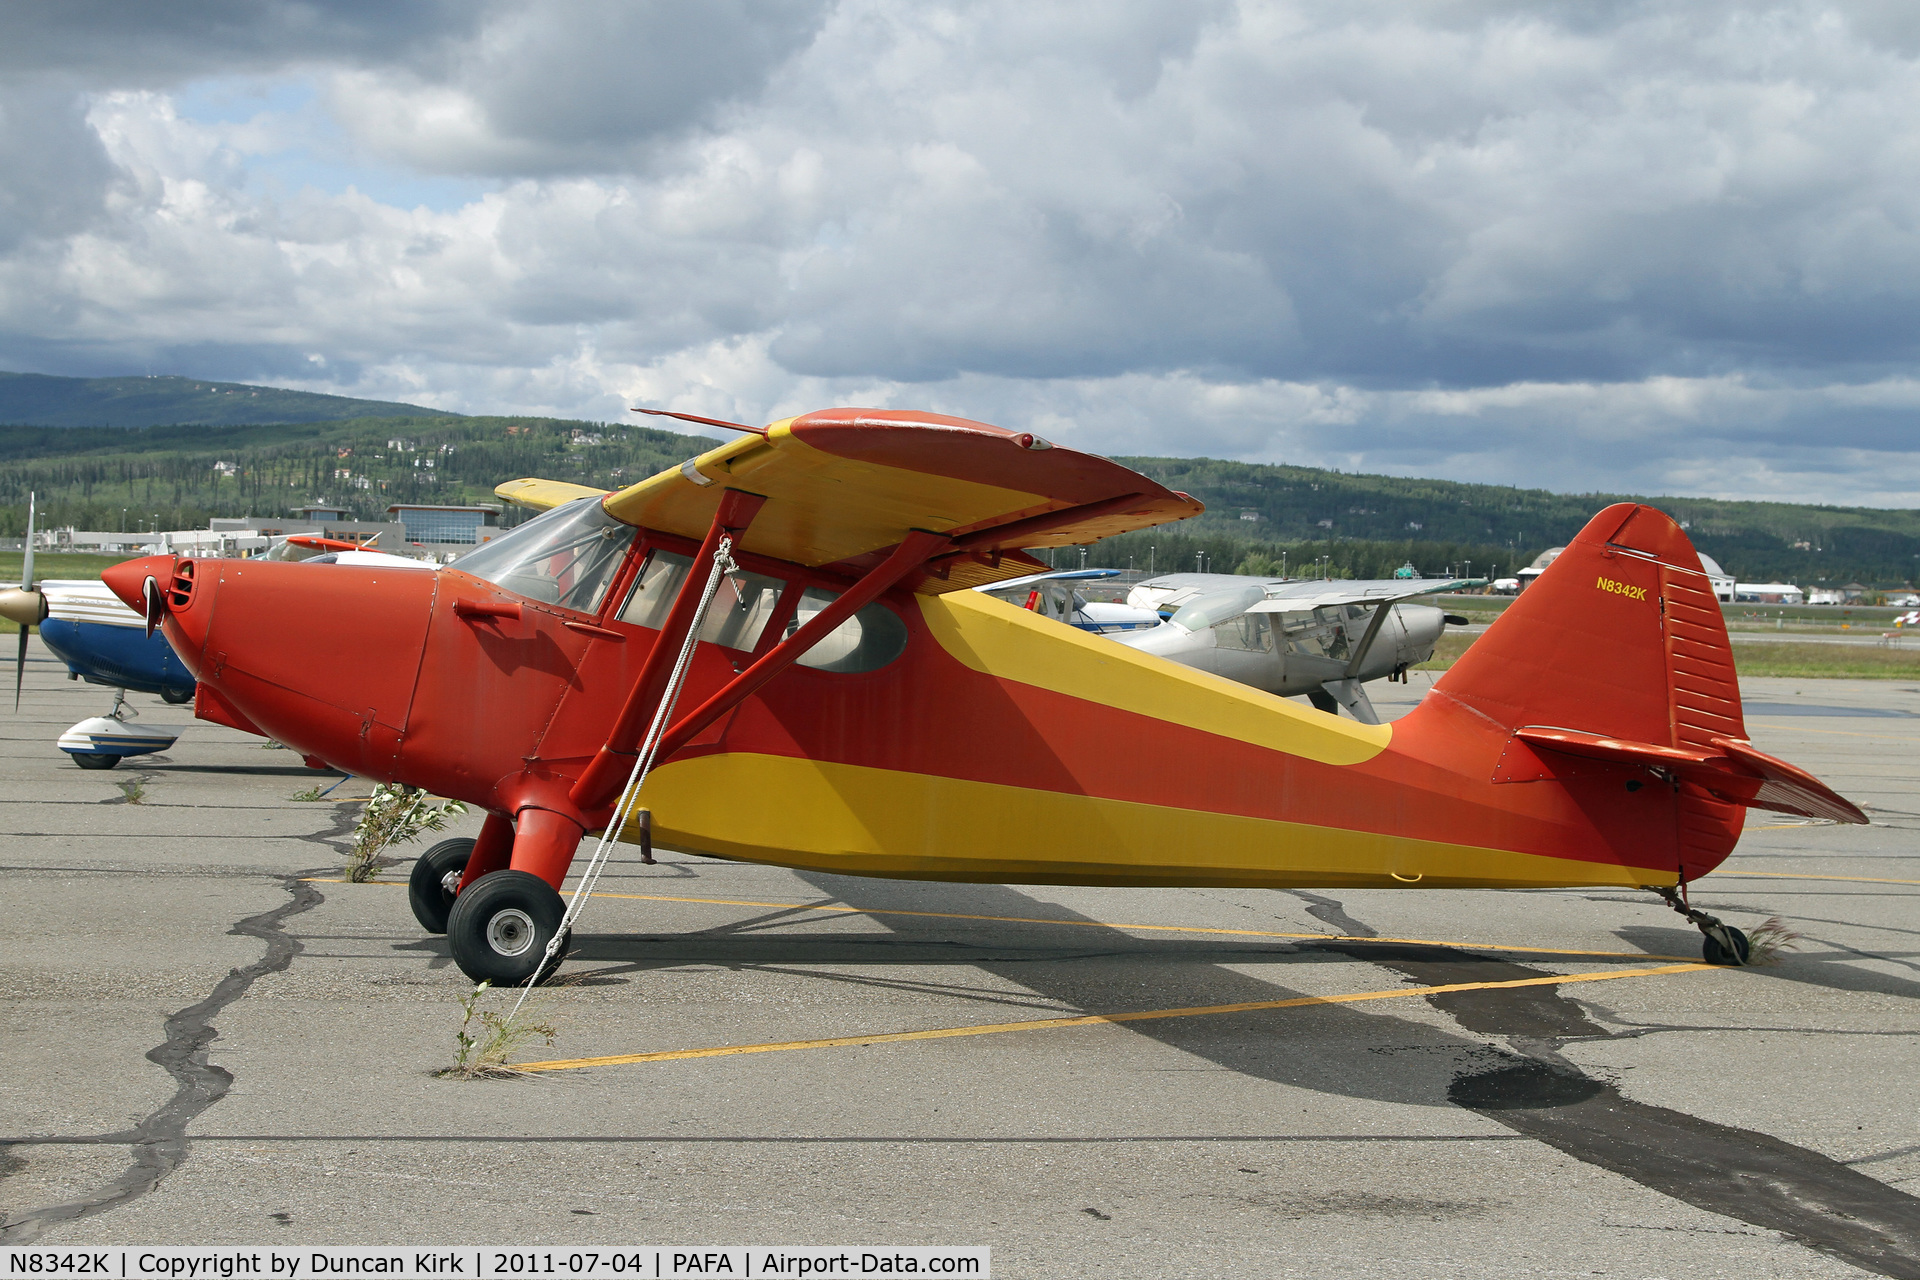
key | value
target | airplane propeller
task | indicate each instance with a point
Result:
(25, 606)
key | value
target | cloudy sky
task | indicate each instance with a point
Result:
(1662, 247)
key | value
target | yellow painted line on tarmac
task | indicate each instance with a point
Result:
(1791, 875)
(1090, 1020)
(1090, 924)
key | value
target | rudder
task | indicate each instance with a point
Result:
(1621, 635)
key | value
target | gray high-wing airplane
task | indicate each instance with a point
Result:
(1324, 639)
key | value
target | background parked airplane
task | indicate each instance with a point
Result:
(1055, 595)
(104, 642)
(1323, 639)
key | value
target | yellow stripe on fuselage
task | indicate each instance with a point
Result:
(854, 820)
(1003, 640)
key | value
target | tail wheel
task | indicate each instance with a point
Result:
(88, 760)
(1713, 953)
(499, 929)
(435, 876)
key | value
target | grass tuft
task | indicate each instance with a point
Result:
(481, 1051)
(311, 793)
(395, 814)
(1766, 940)
(134, 790)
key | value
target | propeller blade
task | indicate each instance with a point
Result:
(150, 595)
(32, 601)
(26, 561)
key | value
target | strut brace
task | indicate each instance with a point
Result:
(608, 769)
(603, 777)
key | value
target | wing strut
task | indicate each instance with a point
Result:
(1347, 690)
(603, 777)
(1366, 641)
(602, 780)
(912, 552)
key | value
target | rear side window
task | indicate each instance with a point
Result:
(867, 641)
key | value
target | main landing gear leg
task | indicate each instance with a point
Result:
(1723, 943)
(443, 871)
(501, 923)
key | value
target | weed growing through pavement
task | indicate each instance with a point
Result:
(311, 793)
(481, 1051)
(395, 814)
(1766, 940)
(134, 791)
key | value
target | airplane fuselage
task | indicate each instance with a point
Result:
(993, 746)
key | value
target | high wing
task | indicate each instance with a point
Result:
(1064, 575)
(873, 497)
(844, 487)
(1303, 597)
(544, 495)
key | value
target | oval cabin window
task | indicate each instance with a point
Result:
(867, 641)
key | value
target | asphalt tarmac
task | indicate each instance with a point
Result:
(207, 1039)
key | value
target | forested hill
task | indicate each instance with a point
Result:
(1357, 525)
(40, 400)
(1757, 541)
(178, 477)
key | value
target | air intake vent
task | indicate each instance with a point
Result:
(180, 590)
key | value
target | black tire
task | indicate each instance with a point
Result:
(499, 928)
(427, 889)
(1713, 953)
(90, 761)
(176, 697)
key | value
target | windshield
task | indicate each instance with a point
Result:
(565, 557)
(1212, 610)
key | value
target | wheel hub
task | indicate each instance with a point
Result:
(450, 882)
(510, 932)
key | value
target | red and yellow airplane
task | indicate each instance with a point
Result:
(849, 706)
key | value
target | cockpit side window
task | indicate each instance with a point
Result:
(566, 557)
(736, 616)
(1249, 631)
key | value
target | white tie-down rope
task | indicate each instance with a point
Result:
(642, 764)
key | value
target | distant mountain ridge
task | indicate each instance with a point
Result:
(44, 400)
(233, 456)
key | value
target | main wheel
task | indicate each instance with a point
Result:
(435, 876)
(88, 760)
(499, 929)
(1713, 953)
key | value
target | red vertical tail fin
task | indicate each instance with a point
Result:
(1617, 656)
(1621, 636)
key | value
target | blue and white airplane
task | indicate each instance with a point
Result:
(1051, 595)
(104, 642)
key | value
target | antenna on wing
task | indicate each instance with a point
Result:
(694, 417)
(24, 605)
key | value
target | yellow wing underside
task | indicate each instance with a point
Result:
(826, 508)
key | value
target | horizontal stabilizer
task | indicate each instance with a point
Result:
(1732, 770)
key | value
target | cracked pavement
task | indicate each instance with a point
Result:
(202, 1047)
